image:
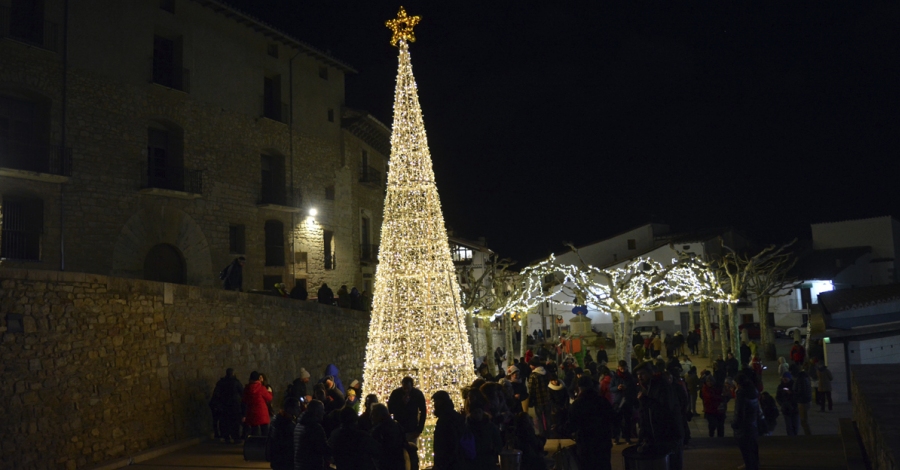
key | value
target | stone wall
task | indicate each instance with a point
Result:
(106, 367)
(877, 413)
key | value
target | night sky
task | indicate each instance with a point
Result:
(573, 121)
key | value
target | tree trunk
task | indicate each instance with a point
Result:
(691, 324)
(489, 343)
(470, 325)
(627, 331)
(706, 332)
(617, 336)
(723, 328)
(766, 339)
(523, 324)
(735, 333)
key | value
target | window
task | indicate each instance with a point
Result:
(272, 187)
(26, 21)
(272, 50)
(272, 105)
(301, 260)
(460, 253)
(367, 250)
(632, 244)
(659, 315)
(329, 193)
(167, 60)
(164, 168)
(167, 5)
(323, 72)
(270, 281)
(746, 318)
(24, 130)
(330, 115)
(236, 239)
(22, 226)
(328, 249)
(274, 243)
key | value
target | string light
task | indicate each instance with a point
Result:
(418, 327)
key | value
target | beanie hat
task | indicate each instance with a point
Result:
(786, 375)
(354, 383)
(351, 392)
(303, 373)
(512, 370)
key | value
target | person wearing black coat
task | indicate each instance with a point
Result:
(732, 367)
(233, 275)
(352, 449)
(529, 443)
(591, 422)
(325, 295)
(447, 432)
(407, 404)
(280, 443)
(299, 292)
(661, 430)
(225, 404)
(746, 416)
(487, 436)
(311, 450)
(390, 439)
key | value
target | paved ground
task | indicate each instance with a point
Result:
(822, 451)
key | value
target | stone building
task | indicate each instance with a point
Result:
(160, 139)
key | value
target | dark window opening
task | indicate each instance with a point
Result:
(165, 162)
(330, 115)
(272, 189)
(22, 227)
(270, 281)
(167, 64)
(329, 193)
(328, 239)
(368, 251)
(236, 239)
(167, 5)
(272, 50)
(26, 20)
(164, 263)
(323, 72)
(273, 107)
(274, 243)
(632, 244)
(24, 138)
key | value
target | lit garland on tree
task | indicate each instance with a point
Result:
(418, 326)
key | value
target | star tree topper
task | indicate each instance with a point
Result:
(402, 26)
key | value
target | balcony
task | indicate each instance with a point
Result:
(369, 175)
(368, 252)
(274, 110)
(276, 197)
(171, 181)
(169, 75)
(37, 161)
(27, 29)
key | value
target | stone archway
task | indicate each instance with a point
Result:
(163, 225)
(164, 263)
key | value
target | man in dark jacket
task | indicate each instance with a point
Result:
(226, 406)
(233, 275)
(802, 396)
(280, 444)
(311, 449)
(785, 399)
(447, 433)
(746, 415)
(591, 420)
(623, 392)
(407, 404)
(390, 439)
(352, 448)
(325, 295)
(661, 429)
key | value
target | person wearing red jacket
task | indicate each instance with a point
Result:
(798, 353)
(713, 407)
(256, 400)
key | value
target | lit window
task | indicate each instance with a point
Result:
(461, 253)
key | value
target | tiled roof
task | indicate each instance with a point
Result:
(859, 297)
(826, 264)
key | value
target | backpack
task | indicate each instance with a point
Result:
(225, 272)
(467, 444)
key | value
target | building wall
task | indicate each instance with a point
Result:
(616, 248)
(109, 225)
(107, 367)
(881, 233)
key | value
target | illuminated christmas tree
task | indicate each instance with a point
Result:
(418, 326)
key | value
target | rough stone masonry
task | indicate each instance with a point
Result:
(96, 368)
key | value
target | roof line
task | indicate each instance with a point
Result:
(854, 220)
(285, 38)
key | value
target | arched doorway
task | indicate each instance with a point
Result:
(164, 263)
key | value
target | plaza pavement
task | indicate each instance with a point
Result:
(821, 451)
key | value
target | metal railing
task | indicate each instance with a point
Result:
(40, 33)
(35, 156)
(19, 244)
(170, 75)
(369, 175)
(368, 252)
(171, 177)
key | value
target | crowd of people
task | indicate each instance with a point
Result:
(538, 396)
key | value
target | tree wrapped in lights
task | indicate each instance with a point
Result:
(418, 327)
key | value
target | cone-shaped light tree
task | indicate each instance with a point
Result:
(418, 327)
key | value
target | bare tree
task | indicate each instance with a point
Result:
(479, 297)
(768, 280)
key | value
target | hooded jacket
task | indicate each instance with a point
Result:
(332, 371)
(447, 433)
(310, 446)
(538, 391)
